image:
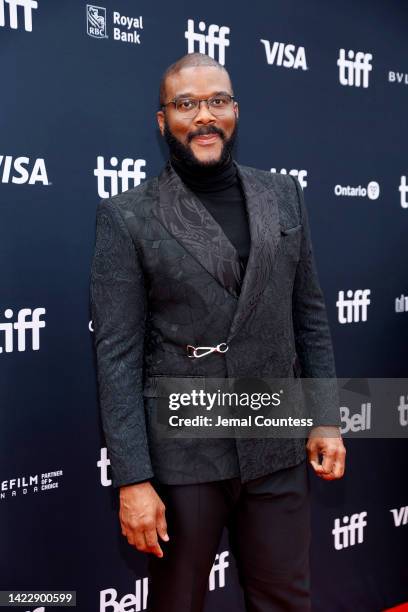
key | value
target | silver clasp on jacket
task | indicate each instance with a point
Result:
(207, 350)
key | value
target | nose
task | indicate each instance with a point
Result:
(204, 116)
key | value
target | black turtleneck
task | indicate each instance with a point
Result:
(220, 190)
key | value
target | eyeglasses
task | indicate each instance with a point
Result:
(218, 105)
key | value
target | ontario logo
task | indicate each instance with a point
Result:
(96, 21)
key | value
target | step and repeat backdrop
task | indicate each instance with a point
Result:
(323, 94)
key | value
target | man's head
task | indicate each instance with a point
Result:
(202, 136)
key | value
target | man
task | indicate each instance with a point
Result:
(210, 254)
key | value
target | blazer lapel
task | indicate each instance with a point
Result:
(263, 215)
(188, 220)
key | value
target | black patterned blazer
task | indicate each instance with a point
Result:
(164, 275)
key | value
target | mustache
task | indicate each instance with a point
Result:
(203, 131)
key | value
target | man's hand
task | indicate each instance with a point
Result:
(142, 517)
(326, 441)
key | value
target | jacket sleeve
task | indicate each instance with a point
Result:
(118, 308)
(312, 334)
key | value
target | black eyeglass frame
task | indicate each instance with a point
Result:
(233, 99)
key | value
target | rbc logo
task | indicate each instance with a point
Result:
(96, 21)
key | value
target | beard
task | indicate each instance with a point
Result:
(184, 152)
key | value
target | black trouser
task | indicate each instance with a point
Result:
(268, 521)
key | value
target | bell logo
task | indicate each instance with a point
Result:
(286, 55)
(108, 599)
(216, 38)
(26, 5)
(360, 421)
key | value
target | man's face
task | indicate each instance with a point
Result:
(205, 139)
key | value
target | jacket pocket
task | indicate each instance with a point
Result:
(151, 384)
(290, 230)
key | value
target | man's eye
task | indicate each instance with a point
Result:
(218, 101)
(186, 104)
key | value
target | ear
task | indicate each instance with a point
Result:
(236, 109)
(160, 121)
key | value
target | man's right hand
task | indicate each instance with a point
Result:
(142, 517)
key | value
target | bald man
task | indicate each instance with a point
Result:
(208, 271)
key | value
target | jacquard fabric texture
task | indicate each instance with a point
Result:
(165, 275)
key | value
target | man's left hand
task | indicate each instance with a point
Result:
(326, 441)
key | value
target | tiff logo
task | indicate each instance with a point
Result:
(400, 516)
(300, 174)
(353, 309)
(403, 411)
(403, 189)
(355, 70)
(286, 55)
(103, 464)
(345, 534)
(130, 170)
(27, 5)
(218, 568)
(216, 37)
(26, 319)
